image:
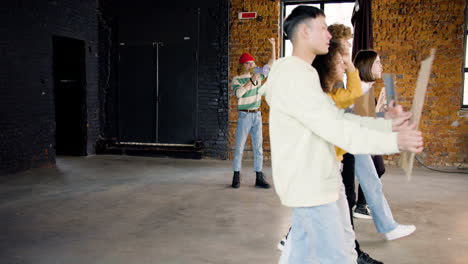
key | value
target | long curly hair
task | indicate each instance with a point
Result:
(326, 68)
(340, 31)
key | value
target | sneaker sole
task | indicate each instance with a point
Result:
(400, 236)
(361, 216)
(280, 246)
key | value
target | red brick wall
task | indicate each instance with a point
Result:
(404, 32)
(251, 36)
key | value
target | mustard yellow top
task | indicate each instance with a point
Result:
(345, 97)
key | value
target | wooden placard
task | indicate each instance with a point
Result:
(407, 158)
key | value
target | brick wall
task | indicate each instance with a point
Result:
(404, 32)
(251, 36)
(27, 119)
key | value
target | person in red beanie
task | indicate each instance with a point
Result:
(247, 87)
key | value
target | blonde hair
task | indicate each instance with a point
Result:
(240, 68)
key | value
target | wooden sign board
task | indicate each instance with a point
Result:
(407, 158)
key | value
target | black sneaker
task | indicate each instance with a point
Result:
(362, 211)
(364, 258)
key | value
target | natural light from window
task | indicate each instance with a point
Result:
(465, 69)
(465, 92)
(335, 13)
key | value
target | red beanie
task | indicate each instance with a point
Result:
(245, 57)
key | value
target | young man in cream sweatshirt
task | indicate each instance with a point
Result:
(305, 125)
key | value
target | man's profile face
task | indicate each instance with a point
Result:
(318, 36)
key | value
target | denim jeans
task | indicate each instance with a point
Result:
(372, 188)
(321, 234)
(249, 123)
(380, 168)
(347, 173)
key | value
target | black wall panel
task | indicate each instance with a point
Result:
(27, 115)
(135, 22)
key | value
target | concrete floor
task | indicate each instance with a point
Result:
(119, 209)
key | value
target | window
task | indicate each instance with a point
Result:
(465, 65)
(335, 12)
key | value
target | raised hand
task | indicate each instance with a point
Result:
(348, 62)
(272, 41)
(273, 51)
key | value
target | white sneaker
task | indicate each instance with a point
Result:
(400, 231)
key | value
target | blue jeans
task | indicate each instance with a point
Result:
(321, 234)
(372, 188)
(249, 123)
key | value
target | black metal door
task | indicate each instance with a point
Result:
(158, 81)
(69, 96)
(137, 93)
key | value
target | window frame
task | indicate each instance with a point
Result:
(284, 3)
(464, 66)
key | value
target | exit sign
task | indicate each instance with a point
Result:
(247, 15)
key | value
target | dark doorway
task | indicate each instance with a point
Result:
(158, 69)
(69, 96)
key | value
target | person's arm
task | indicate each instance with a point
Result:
(381, 101)
(310, 106)
(262, 88)
(345, 97)
(347, 61)
(272, 41)
(273, 52)
(378, 124)
(240, 87)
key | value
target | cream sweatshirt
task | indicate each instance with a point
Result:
(305, 125)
